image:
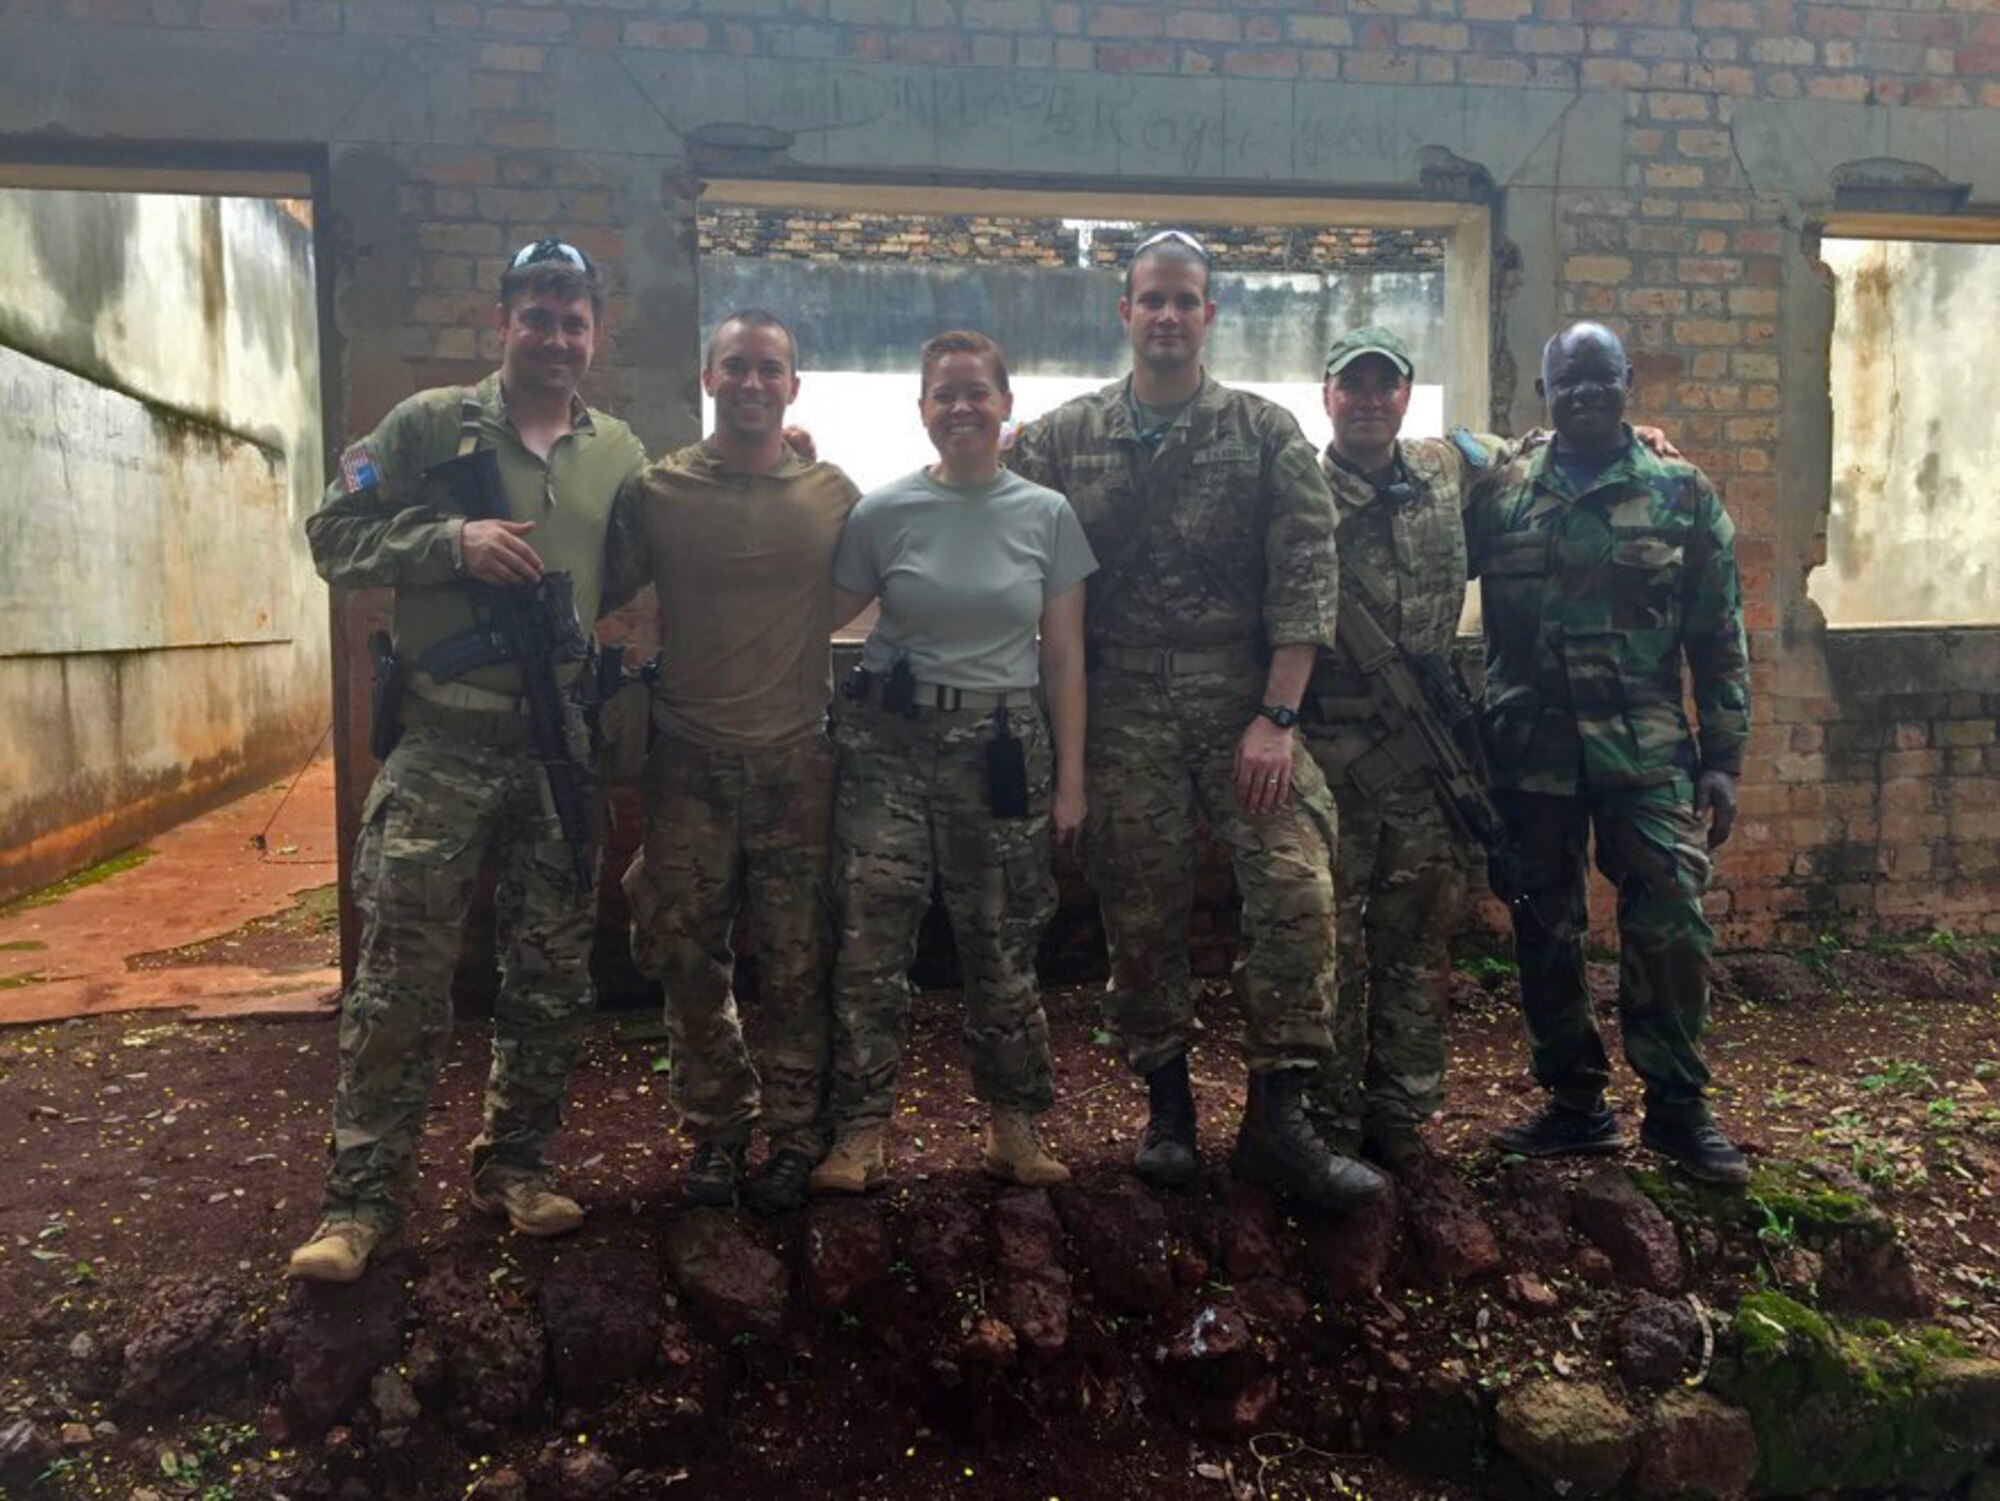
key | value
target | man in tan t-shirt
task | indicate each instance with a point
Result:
(739, 787)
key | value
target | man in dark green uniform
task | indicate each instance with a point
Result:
(461, 780)
(1602, 567)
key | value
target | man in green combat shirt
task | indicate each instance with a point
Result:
(461, 783)
(1602, 568)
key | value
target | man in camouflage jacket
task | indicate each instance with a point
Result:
(1216, 590)
(461, 780)
(1602, 568)
(1398, 871)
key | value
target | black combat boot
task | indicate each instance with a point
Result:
(1559, 1130)
(1166, 1156)
(1701, 1150)
(1278, 1148)
(781, 1186)
(713, 1174)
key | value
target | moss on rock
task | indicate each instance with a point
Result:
(1836, 1407)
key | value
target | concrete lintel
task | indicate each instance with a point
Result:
(1794, 146)
(122, 82)
(886, 120)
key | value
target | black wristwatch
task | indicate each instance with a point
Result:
(1284, 716)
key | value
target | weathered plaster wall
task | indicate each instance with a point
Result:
(1913, 536)
(163, 639)
(1659, 163)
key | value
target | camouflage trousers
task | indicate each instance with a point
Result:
(1652, 848)
(1160, 751)
(1400, 884)
(728, 830)
(439, 805)
(911, 805)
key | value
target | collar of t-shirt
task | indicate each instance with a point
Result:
(1153, 423)
(1582, 469)
(975, 491)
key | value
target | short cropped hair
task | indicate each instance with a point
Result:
(552, 279)
(752, 317)
(964, 341)
(1172, 245)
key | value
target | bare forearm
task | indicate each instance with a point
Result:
(1063, 677)
(1290, 671)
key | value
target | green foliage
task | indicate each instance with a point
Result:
(1491, 971)
(1899, 1076)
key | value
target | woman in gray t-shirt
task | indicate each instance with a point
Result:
(946, 764)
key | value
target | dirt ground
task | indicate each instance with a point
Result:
(142, 1145)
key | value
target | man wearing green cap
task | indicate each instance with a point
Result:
(1398, 871)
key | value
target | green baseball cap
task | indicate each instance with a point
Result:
(1352, 345)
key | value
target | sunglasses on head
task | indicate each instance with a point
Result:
(552, 250)
(1179, 236)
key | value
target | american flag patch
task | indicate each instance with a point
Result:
(357, 469)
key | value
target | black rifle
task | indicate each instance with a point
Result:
(1432, 719)
(534, 627)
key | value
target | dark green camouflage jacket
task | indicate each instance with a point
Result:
(1591, 602)
(1225, 531)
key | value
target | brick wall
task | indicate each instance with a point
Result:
(773, 234)
(1656, 163)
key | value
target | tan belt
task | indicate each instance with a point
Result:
(473, 726)
(947, 699)
(465, 696)
(1175, 664)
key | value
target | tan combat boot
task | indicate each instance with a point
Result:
(1015, 1152)
(338, 1252)
(531, 1207)
(855, 1164)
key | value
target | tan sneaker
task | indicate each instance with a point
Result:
(531, 1207)
(854, 1165)
(338, 1252)
(1015, 1152)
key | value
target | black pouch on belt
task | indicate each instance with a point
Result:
(899, 693)
(1006, 771)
